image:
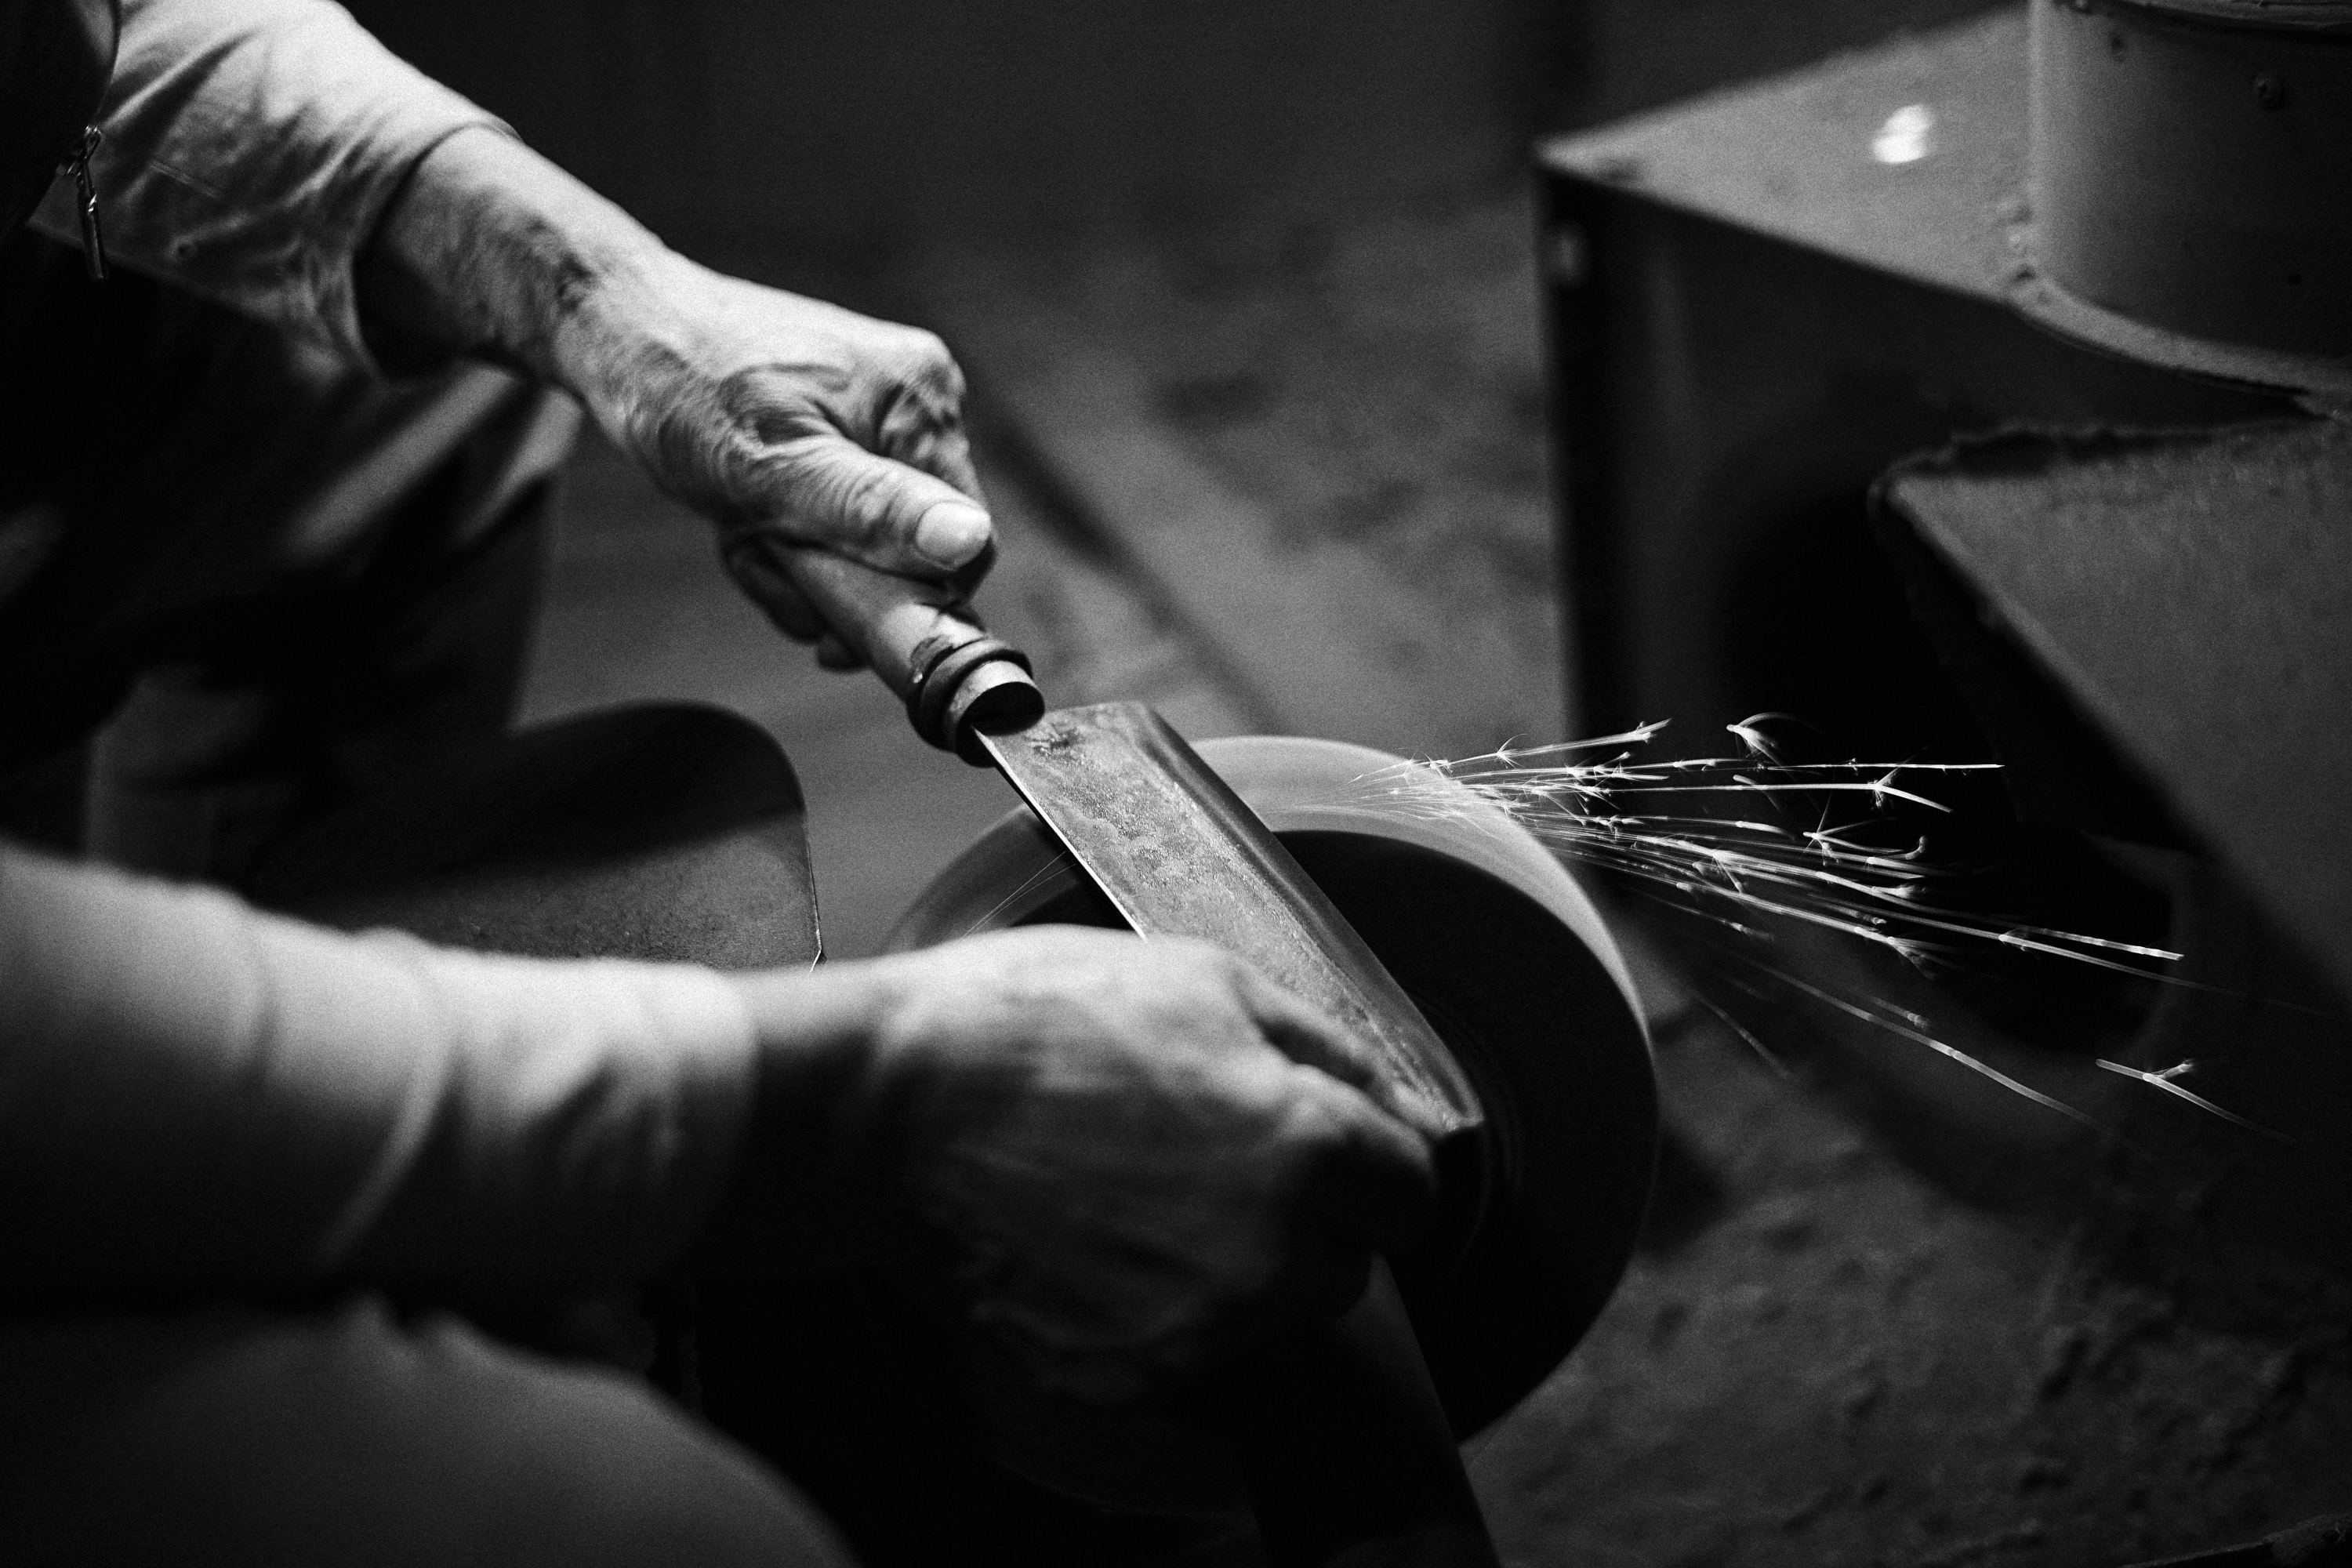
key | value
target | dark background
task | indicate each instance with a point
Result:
(852, 126)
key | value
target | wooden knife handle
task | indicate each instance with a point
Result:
(923, 640)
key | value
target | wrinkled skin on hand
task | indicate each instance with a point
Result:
(1122, 1159)
(785, 419)
(780, 417)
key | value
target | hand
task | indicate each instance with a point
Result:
(787, 420)
(780, 417)
(1122, 1158)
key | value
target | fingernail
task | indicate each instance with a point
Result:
(951, 533)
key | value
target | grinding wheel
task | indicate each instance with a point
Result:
(1511, 962)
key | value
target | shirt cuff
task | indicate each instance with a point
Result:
(585, 1120)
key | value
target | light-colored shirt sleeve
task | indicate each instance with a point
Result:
(251, 148)
(195, 1097)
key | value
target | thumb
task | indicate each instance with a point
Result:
(839, 495)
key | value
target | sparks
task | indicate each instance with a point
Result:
(1598, 803)
(2167, 1080)
(1597, 812)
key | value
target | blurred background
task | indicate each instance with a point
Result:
(1277, 327)
(860, 129)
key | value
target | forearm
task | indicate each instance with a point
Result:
(768, 412)
(491, 249)
(198, 1100)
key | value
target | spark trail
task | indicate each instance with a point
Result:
(1605, 808)
(1598, 802)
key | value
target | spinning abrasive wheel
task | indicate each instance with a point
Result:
(1511, 963)
(1436, 947)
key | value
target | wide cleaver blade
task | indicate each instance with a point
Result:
(1179, 853)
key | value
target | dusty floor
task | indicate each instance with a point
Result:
(1837, 1347)
(1883, 1313)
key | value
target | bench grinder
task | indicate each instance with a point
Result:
(1452, 941)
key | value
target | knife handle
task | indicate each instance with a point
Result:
(957, 681)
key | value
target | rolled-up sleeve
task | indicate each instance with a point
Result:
(251, 148)
(196, 1098)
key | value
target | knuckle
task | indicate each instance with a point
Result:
(951, 374)
(762, 408)
(931, 369)
(928, 352)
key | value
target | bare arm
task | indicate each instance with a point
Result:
(197, 1100)
(1120, 1157)
(270, 156)
(780, 417)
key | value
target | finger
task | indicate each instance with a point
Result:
(951, 460)
(835, 654)
(834, 493)
(761, 575)
(1309, 1036)
(1370, 1181)
(1303, 1032)
(928, 433)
